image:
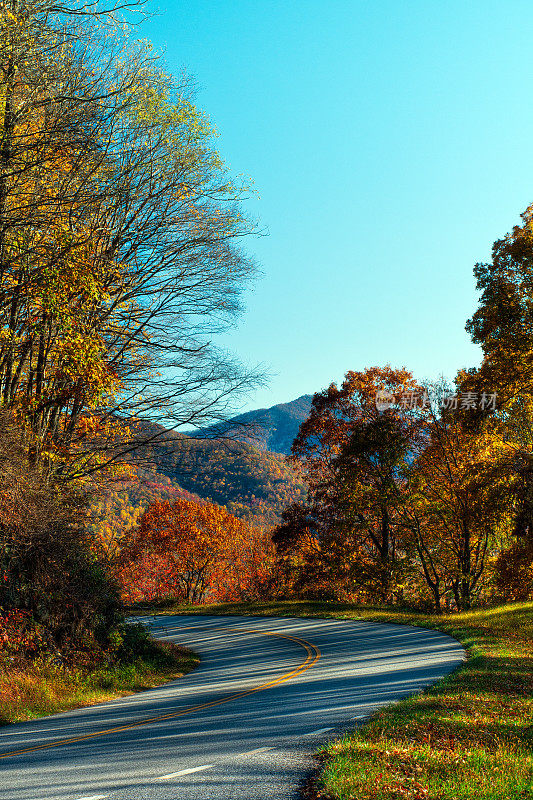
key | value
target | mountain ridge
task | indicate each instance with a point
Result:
(273, 429)
(223, 464)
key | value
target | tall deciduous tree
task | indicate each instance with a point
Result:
(503, 321)
(189, 549)
(457, 499)
(119, 239)
(351, 450)
(503, 326)
(371, 485)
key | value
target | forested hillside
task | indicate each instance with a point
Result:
(118, 510)
(253, 484)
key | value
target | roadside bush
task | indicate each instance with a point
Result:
(48, 574)
(21, 636)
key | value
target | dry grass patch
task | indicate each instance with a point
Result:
(42, 687)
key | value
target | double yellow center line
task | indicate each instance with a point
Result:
(313, 654)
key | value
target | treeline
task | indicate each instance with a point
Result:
(158, 540)
(194, 551)
(120, 258)
(423, 494)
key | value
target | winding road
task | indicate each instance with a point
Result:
(242, 726)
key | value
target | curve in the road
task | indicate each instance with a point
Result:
(313, 654)
(242, 726)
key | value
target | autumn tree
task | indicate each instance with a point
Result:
(457, 500)
(503, 321)
(350, 450)
(119, 240)
(188, 549)
(370, 478)
(503, 326)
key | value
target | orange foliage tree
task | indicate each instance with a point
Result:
(192, 551)
(351, 452)
(458, 504)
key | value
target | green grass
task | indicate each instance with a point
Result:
(41, 686)
(468, 737)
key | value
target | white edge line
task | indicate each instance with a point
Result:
(320, 730)
(257, 750)
(94, 797)
(183, 772)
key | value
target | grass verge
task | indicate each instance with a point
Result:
(42, 686)
(468, 737)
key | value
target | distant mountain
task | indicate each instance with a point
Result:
(272, 429)
(239, 464)
(253, 484)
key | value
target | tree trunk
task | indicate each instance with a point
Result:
(465, 594)
(385, 555)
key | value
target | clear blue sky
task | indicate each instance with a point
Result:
(390, 141)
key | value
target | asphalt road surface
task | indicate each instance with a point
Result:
(242, 726)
